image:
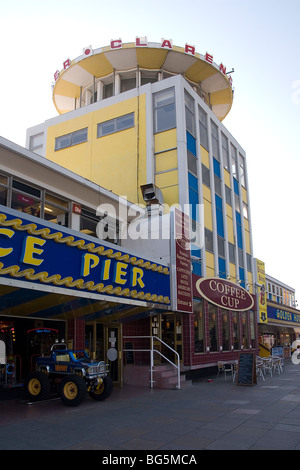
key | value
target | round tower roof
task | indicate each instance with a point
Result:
(99, 63)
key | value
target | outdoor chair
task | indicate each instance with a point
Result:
(224, 367)
(268, 365)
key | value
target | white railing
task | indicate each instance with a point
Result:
(152, 351)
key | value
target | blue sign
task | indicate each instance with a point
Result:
(280, 314)
(40, 253)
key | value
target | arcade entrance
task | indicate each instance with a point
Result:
(104, 342)
(21, 340)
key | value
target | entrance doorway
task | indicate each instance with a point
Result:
(113, 342)
(171, 334)
(103, 342)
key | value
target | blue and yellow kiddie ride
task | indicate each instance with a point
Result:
(73, 373)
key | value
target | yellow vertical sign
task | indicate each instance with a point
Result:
(262, 295)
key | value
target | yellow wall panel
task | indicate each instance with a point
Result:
(210, 267)
(250, 281)
(227, 177)
(229, 211)
(170, 195)
(166, 161)
(247, 240)
(232, 272)
(206, 193)
(204, 156)
(165, 140)
(244, 195)
(230, 231)
(207, 215)
(169, 178)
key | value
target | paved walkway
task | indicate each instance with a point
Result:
(207, 415)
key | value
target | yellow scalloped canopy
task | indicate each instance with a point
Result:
(102, 62)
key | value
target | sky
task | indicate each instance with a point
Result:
(258, 38)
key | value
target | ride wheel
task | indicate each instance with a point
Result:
(72, 390)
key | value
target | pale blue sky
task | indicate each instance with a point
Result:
(260, 39)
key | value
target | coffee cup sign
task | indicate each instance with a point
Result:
(224, 294)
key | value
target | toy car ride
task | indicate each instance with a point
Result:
(73, 373)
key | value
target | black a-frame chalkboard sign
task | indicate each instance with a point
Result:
(246, 369)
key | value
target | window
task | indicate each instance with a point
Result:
(252, 329)
(3, 189)
(248, 259)
(236, 332)
(212, 323)
(203, 128)
(192, 162)
(209, 246)
(242, 170)
(26, 198)
(228, 195)
(225, 329)
(205, 176)
(199, 326)
(115, 125)
(88, 222)
(56, 210)
(244, 330)
(127, 84)
(233, 157)
(189, 114)
(218, 186)
(68, 140)
(215, 141)
(108, 90)
(225, 151)
(36, 142)
(221, 247)
(164, 110)
(149, 76)
(231, 250)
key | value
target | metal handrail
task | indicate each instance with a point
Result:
(152, 351)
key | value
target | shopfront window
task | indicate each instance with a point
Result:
(88, 222)
(212, 322)
(199, 326)
(252, 329)
(26, 198)
(225, 329)
(236, 330)
(3, 189)
(244, 318)
(56, 210)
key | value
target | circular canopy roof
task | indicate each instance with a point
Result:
(102, 62)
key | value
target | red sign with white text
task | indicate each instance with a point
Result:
(223, 293)
(184, 292)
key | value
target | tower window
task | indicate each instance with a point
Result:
(115, 125)
(68, 140)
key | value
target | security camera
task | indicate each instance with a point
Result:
(152, 194)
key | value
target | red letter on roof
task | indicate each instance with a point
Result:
(115, 44)
(209, 58)
(189, 49)
(222, 68)
(166, 43)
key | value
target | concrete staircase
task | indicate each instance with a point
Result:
(164, 376)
